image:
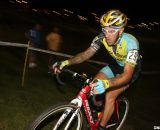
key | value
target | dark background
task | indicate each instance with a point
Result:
(19, 105)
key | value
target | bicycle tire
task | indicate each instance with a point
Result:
(48, 117)
(123, 108)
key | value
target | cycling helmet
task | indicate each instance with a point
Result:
(113, 18)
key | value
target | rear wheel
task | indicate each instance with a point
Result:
(59, 117)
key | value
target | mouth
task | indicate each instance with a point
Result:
(109, 41)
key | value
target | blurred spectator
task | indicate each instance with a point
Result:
(34, 35)
(54, 40)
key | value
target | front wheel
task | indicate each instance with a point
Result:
(59, 117)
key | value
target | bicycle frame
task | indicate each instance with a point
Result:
(83, 100)
(73, 110)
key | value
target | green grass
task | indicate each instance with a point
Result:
(19, 105)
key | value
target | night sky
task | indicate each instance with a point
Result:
(144, 11)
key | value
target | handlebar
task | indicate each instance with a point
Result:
(80, 77)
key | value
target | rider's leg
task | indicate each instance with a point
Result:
(110, 98)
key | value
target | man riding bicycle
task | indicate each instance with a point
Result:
(115, 78)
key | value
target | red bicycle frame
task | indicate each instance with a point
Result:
(83, 96)
(82, 99)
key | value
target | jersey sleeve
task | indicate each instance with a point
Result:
(132, 52)
(96, 42)
(132, 57)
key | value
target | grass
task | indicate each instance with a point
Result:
(20, 105)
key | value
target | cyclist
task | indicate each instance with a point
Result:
(115, 78)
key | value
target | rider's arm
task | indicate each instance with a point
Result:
(123, 78)
(88, 53)
(83, 56)
(128, 71)
(119, 81)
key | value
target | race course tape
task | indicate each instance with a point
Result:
(64, 55)
(45, 51)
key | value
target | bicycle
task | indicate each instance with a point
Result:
(73, 115)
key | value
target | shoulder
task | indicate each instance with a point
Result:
(98, 37)
(96, 42)
(132, 42)
(130, 36)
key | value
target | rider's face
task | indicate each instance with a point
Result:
(111, 34)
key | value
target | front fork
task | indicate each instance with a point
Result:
(78, 103)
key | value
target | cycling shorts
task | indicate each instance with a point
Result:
(114, 70)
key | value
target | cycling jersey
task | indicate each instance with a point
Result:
(125, 51)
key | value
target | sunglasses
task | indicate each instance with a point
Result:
(109, 30)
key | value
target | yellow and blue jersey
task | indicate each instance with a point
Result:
(125, 51)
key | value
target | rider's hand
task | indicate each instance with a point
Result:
(100, 86)
(58, 66)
